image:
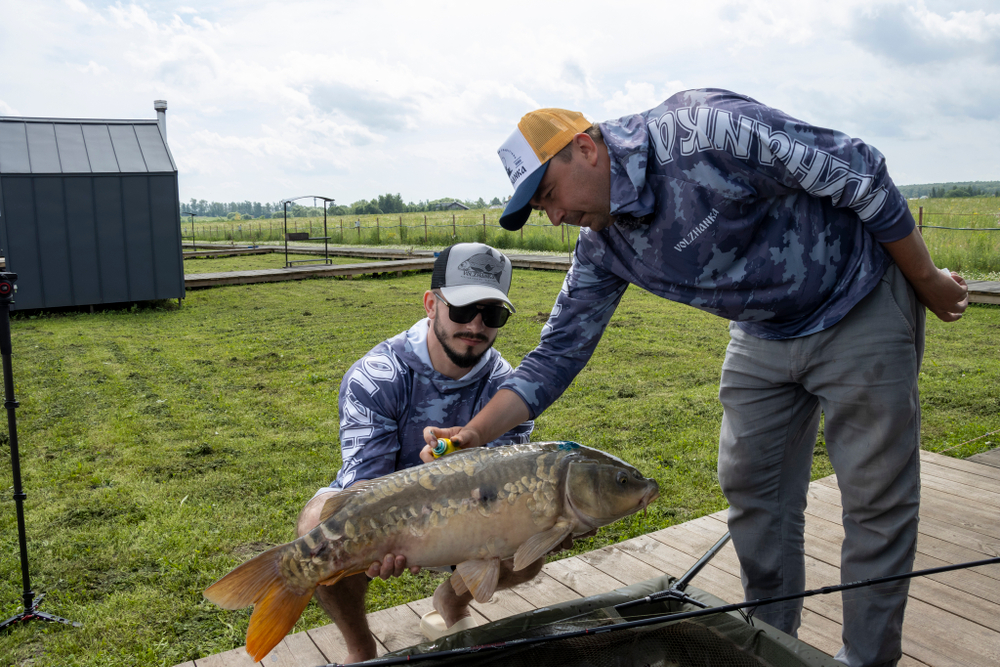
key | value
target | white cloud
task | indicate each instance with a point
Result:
(639, 97)
(7, 110)
(269, 98)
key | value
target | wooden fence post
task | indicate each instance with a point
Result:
(425, 228)
(378, 234)
(341, 229)
(484, 228)
(400, 229)
(453, 232)
(920, 221)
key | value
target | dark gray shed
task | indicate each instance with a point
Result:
(89, 211)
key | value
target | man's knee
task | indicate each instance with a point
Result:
(309, 516)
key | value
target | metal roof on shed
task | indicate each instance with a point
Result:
(80, 146)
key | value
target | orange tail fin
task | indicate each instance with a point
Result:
(276, 607)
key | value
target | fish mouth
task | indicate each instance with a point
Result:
(650, 496)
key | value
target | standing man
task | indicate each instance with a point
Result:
(443, 369)
(797, 235)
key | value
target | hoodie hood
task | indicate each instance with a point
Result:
(628, 148)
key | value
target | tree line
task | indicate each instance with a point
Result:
(957, 189)
(383, 204)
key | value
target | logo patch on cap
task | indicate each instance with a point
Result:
(483, 266)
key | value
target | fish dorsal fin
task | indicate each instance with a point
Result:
(481, 577)
(335, 502)
(540, 544)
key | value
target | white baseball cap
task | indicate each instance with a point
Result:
(526, 153)
(469, 272)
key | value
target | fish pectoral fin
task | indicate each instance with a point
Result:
(540, 544)
(458, 584)
(481, 577)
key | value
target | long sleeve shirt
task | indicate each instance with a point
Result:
(743, 212)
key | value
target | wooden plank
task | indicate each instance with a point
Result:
(424, 605)
(963, 492)
(544, 591)
(982, 545)
(396, 627)
(947, 473)
(235, 658)
(960, 464)
(821, 633)
(293, 651)
(933, 636)
(330, 643)
(934, 504)
(581, 576)
(659, 555)
(503, 604)
(620, 565)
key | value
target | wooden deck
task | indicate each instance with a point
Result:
(952, 619)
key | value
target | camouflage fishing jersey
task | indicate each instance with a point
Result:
(738, 209)
(389, 395)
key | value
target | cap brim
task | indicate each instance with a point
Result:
(463, 295)
(519, 207)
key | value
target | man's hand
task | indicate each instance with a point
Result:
(944, 293)
(391, 566)
(460, 436)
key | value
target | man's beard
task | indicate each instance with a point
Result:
(467, 360)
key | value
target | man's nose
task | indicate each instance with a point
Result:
(556, 215)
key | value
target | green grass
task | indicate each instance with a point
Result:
(161, 446)
(976, 254)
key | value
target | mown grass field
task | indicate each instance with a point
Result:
(161, 446)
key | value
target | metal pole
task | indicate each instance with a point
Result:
(30, 612)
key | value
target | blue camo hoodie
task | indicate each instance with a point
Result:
(389, 395)
(749, 214)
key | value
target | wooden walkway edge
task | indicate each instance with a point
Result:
(952, 619)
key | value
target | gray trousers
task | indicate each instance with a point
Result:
(862, 375)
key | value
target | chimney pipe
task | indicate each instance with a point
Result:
(161, 116)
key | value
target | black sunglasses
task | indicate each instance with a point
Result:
(494, 316)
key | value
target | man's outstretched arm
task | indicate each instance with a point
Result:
(504, 411)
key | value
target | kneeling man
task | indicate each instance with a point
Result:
(443, 370)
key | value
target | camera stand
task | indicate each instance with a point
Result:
(30, 602)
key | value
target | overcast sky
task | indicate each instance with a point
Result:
(355, 99)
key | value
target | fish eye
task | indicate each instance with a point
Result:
(622, 478)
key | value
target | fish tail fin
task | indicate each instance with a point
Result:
(276, 605)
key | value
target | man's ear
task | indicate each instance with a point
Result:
(587, 147)
(429, 303)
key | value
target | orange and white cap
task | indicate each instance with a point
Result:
(526, 153)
